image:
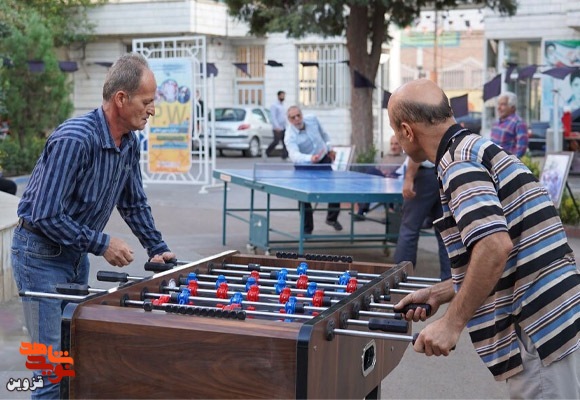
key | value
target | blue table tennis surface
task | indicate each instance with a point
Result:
(316, 185)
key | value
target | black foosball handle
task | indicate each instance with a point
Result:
(414, 306)
(159, 267)
(111, 276)
(75, 289)
(388, 325)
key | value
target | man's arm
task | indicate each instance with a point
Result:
(408, 184)
(486, 265)
(293, 150)
(136, 213)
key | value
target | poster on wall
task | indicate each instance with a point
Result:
(170, 128)
(560, 53)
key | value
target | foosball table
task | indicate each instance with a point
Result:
(241, 326)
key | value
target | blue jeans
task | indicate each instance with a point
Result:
(426, 203)
(39, 265)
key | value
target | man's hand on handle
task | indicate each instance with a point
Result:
(439, 337)
(164, 257)
(118, 254)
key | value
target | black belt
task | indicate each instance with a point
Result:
(30, 228)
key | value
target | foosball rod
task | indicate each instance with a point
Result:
(269, 277)
(162, 307)
(372, 335)
(383, 324)
(303, 307)
(302, 291)
(353, 273)
(271, 288)
(234, 286)
(58, 296)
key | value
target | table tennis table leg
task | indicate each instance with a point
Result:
(224, 213)
(301, 229)
(267, 249)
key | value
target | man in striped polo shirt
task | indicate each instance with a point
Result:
(515, 284)
(89, 166)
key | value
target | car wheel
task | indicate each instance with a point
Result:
(254, 149)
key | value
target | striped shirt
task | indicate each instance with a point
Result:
(511, 134)
(79, 178)
(484, 190)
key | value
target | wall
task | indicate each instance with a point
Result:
(8, 221)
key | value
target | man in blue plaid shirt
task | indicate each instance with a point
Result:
(510, 131)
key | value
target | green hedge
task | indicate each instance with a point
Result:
(16, 160)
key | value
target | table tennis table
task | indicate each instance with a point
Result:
(312, 185)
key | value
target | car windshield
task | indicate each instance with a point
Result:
(229, 114)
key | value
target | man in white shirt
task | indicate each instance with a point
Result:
(278, 117)
(308, 143)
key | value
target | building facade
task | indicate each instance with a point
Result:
(313, 72)
(545, 34)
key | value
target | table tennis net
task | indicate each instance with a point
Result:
(313, 171)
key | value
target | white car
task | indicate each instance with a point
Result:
(246, 128)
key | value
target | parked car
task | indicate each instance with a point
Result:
(471, 121)
(245, 127)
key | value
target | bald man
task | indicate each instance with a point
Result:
(515, 284)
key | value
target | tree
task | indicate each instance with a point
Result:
(365, 24)
(35, 101)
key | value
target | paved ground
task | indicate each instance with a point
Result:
(191, 223)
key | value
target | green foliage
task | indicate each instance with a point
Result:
(35, 102)
(329, 18)
(568, 213)
(19, 160)
(364, 23)
(66, 19)
(533, 166)
(367, 157)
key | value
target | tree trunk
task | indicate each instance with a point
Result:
(365, 63)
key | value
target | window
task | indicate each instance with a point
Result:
(229, 114)
(453, 79)
(259, 114)
(529, 91)
(323, 75)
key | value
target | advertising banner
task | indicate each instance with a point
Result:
(169, 142)
(558, 54)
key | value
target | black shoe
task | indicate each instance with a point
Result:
(335, 224)
(359, 217)
(308, 232)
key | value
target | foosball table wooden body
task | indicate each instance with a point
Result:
(128, 352)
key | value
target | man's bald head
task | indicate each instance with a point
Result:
(420, 114)
(419, 101)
